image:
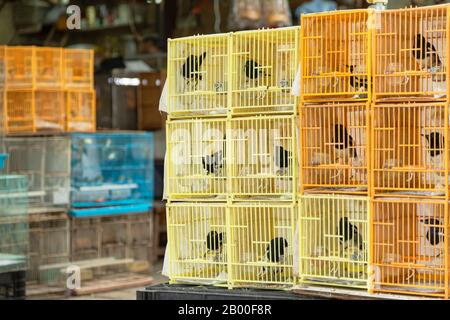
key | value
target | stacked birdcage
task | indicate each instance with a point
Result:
(231, 143)
(46, 89)
(410, 125)
(334, 233)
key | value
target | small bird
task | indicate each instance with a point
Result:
(435, 234)
(426, 52)
(343, 143)
(275, 253)
(214, 245)
(253, 70)
(357, 82)
(190, 70)
(282, 157)
(348, 232)
(213, 163)
(435, 142)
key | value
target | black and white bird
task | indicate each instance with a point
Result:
(213, 164)
(282, 157)
(435, 142)
(190, 70)
(275, 253)
(349, 235)
(214, 245)
(253, 70)
(435, 233)
(357, 82)
(343, 143)
(426, 52)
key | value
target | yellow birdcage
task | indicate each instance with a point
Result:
(263, 157)
(197, 164)
(261, 244)
(264, 66)
(410, 246)
(411, 48)
(334, 147)
(198, 75)
(410, 150)
(198, 244)
(80, 110)
(334, 240)
(336, 56)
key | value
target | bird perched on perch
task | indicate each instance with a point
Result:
(426, 53)
(190, 70)
(349, 235)
(214, 246)
(213, 164)
(435, 233)
(357, 82)
(275, 253)
(343, 143)
(435, 142)
(282, 157)
(253, 70)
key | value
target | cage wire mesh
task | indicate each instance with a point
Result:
(263, 157)
(412, 53)
(410, 148)
(111, 168)
(78, 68)
(46, 163)
(80, 109)
(334, 240)
(336, 56)
(197, 158)
(410, 246)
(13, 223)
(261, 244)
(198, 75)
(198, 245)
(264, 66)
(335, 147)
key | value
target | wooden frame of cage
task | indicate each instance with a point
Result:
(335, 148)
(197, 236)
(46, 162)
(197, 161)
(261, 244)
(49, 234)
(347, 74)
(411, 53)
(263, 158)
(410, 248)
(263, 65)
(334, 240)
(208, 87)
(409, 149)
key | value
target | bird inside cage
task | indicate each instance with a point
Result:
(283, 164)
(358, 82)
(192, 69)
(274, 260)
(256, 76)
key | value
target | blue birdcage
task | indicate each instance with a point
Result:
(111, 173)
(13, 223)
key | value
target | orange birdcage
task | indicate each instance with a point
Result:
(78, 68)
(411, 50)
(410, 149)
(20, 67)
(335, 147)
(2, 66)
(410, 246)
(336, 56)
(49, 67)
(80, 110)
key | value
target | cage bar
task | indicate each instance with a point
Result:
(111, 169)
(410, 147)
(197, 161)
(335, 147)
(20, 67)
(412, 53)
(80, 109)
(198, 72)
(410, 248)
(334, 240)
(264, 66)
(262, 244)
(49, 67)
(263, 157)
(46, 163)
(198, 242)
(336, 56)
(78, 68)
